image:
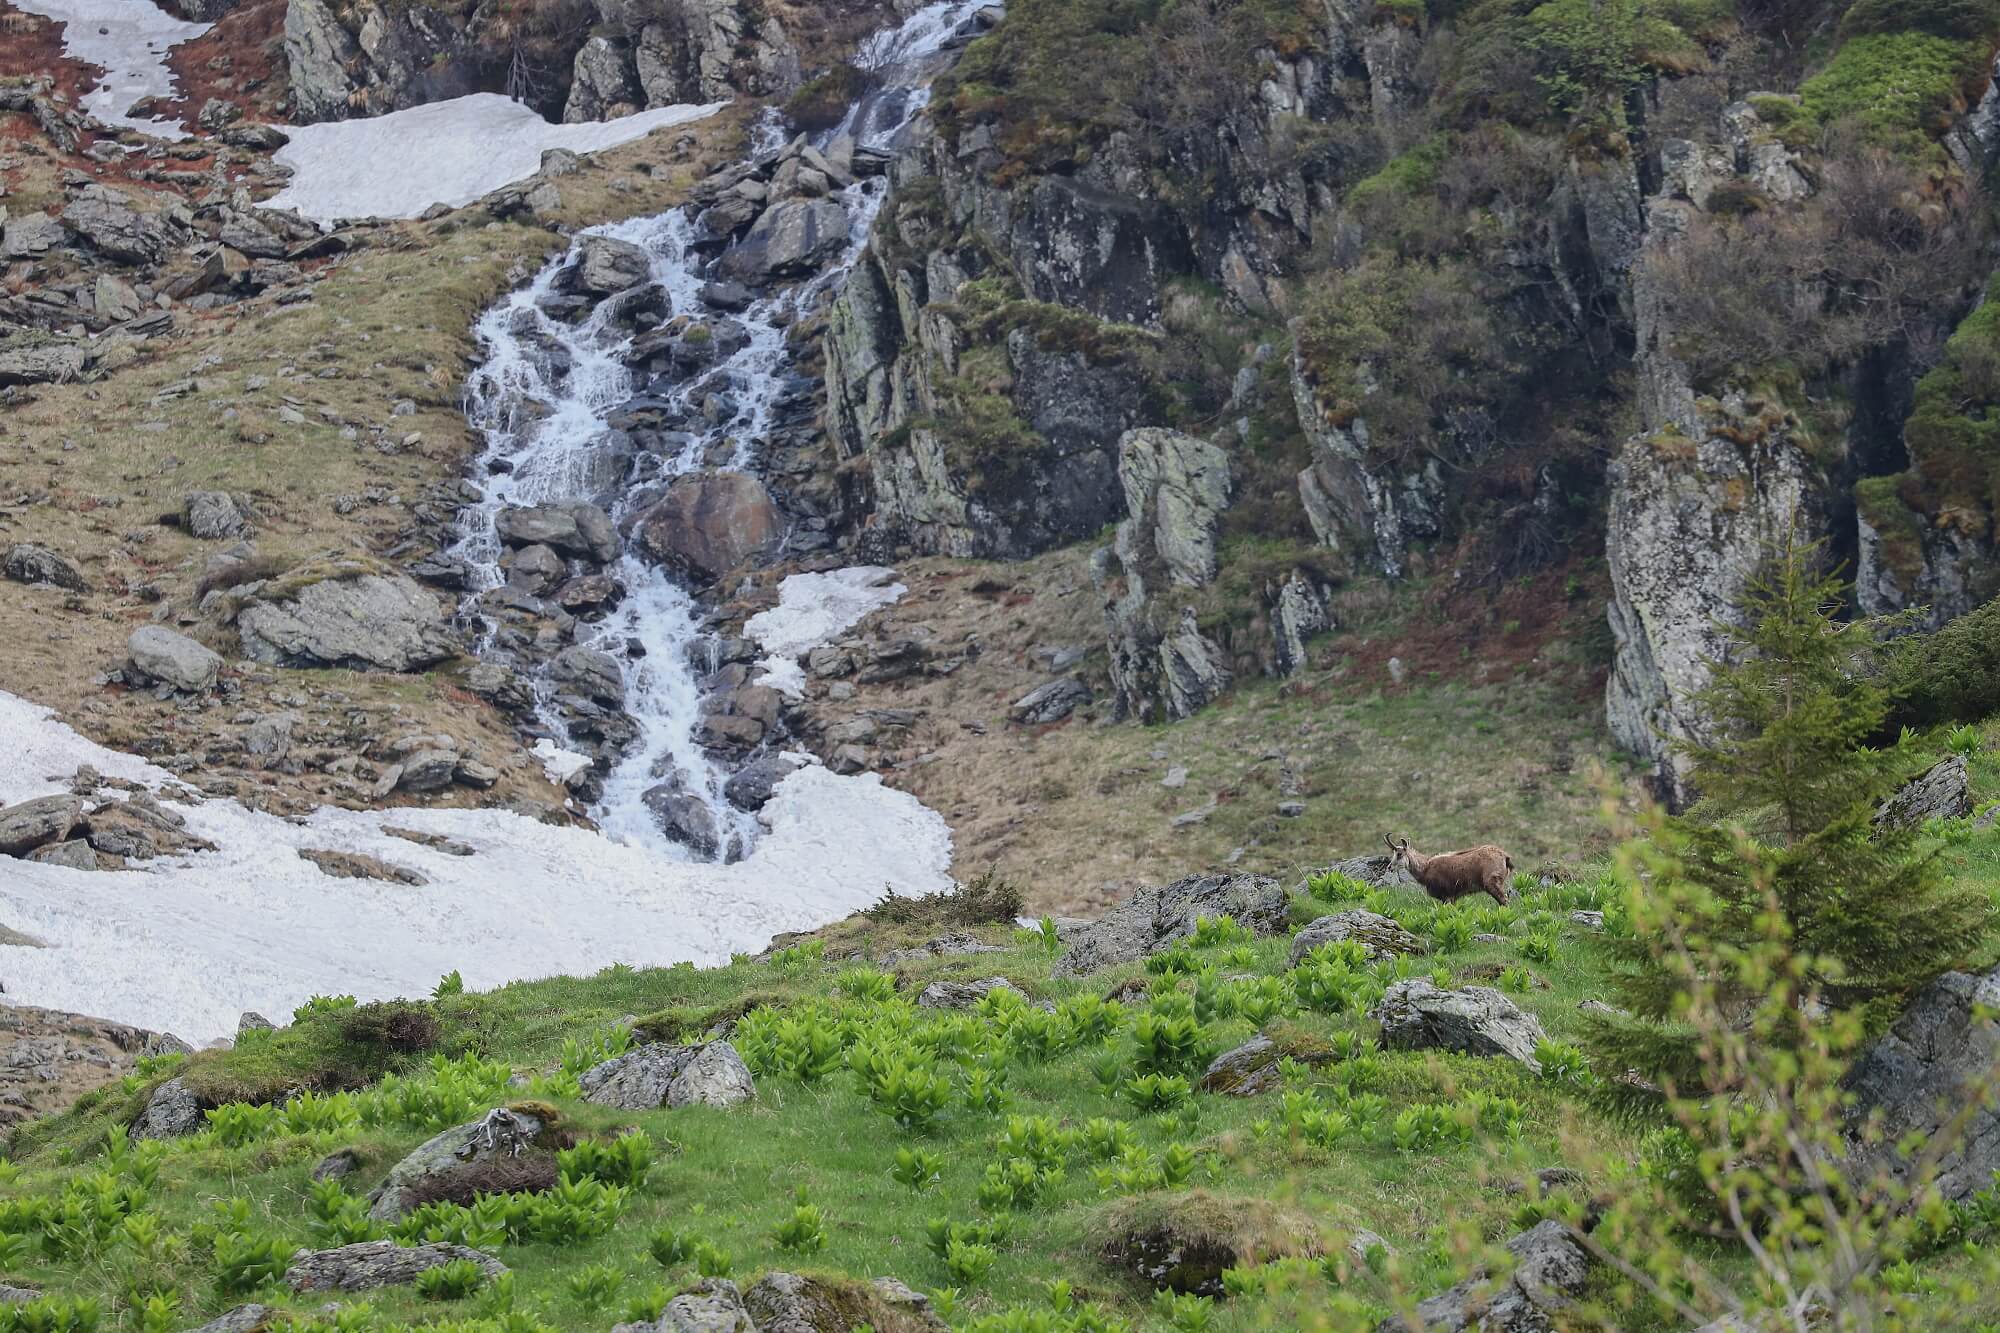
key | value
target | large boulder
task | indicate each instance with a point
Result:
(792, 1303)
(105, 219)
(601, 85)
(606, 265)
(710, 523)
(44, 363)
(462, 1155)
(1051, 702)
(1942, 791)
(573, 529)
(793, 238)
(1246, 1070)
(1176, 487)
(357, 619)
(1156, 918)
(1091, 249)
(752, 786)
(211, 515)
(157, 653)
(27, 563)
(1379, 934)
(1932, 1064)
(1419, 1015)
(1550, 1270)
(660, 1074)
(712, 1305)
(31, 824)
(684, 817)
(173, 1111)
(369, 1264)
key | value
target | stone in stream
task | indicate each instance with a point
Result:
(709, 523)
(683, 817)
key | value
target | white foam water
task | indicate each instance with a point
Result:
(543, 397)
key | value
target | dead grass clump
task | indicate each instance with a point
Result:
(1183, 1242)
(397, 1025)
(530, 1173)
(236, 573)
(988, 900)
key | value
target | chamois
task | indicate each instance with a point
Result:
(1449, 876)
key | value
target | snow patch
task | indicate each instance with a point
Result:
(812, 608)
(186, 944)
(561, 765)
(450, 152)
(129, 41)
(783, 674)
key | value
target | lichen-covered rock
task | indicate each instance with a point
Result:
(1935, 1061)
(172, 1112)
(31, 824)
(211, 515)
(791, 1303)
(1176, 487)
(369, 1264)
(106, 220)
(1245, 1070)
(793, 238)
(1942, 791)
(1418, 1015)
(362, 621)
(1694, 509)
(156, 653)
(712, 1305)
(1356, 498)
(1050, 702)
(1550, 1270)
(251, 1318)
(1378, 934)
(27, 563)
(461, 1151)
(1155, 918)
(961, 994)
(660, 1074)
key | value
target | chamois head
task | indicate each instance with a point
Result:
(1399, 853)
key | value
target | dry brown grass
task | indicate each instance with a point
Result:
(1497, 748)
(89, 470)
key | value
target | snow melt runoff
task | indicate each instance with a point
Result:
(186, 944)
(453, 152)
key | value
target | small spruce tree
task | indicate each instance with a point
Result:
(1785, 828)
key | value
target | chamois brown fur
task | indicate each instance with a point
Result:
(1449, 876)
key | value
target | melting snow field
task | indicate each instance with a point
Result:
(187, 944)
(811, 609)
(128, 40)
(453, 152)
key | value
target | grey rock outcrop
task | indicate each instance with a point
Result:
(794, 1303)
(1379, 934)
(1942, 791)
(370, 1264)
(1051, 702)
(1550, 1271)
(157, 653)
(250, 1318)
(581, 530)
(1155, 918)
(462, 1150)
(1356, 499)
(173, 1111)
(961, 994)
(710, 1074)
(1693, 514)
(211, 515)
(363, 621)
(33, 823)
(712, 1305)
(26, 562)
(752, 786)
(606, 265)
(793, 238)
(1176, 487)
(46, 363)
(1934, 1064)
(106, 220)
(1417, 1015)
(1246, 1070)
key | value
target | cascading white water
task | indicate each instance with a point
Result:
(543, 397)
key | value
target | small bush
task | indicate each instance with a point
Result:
(401, 1026)
(988, 900)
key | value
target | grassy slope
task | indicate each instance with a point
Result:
(730, 1175)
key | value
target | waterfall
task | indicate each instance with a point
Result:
(543, 399)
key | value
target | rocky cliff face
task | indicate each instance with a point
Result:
(575, 61)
